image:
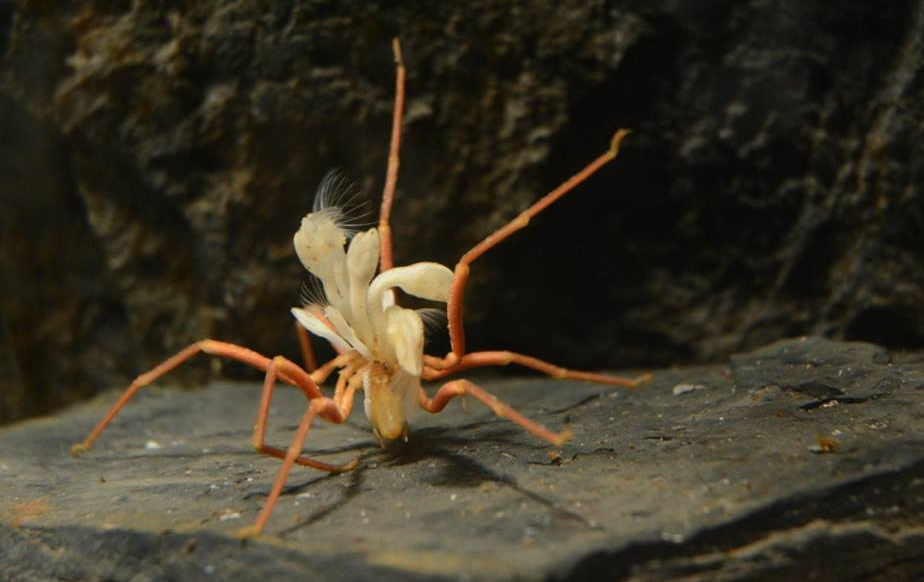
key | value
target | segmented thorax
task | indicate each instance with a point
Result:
(358, 312)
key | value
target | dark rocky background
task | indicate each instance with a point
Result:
(156, 158)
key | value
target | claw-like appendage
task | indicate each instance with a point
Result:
(78, 449)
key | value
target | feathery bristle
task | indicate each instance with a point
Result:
(312, 292)
(433, 319)
(340, 198)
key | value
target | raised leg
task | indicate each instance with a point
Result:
(386, 258)
(436, 368)
(457, 293)
(460, 387)
(277, 365)
(327, 409)
(213, 347)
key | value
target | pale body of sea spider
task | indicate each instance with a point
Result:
(379, 343)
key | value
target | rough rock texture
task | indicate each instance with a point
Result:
(802, 460)
(158, 156)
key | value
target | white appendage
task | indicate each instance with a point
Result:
(360, 308)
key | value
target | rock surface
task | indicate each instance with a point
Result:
(801, 460)
(157, 157)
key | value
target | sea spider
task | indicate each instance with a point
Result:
(380, 344)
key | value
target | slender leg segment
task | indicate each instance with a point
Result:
(327, 409)
(386, 259)
(436, 368)
(457, 292)
(322, 373)
(460, 387)
(259, 433)
(291, 375)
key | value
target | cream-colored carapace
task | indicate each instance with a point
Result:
(380, 344)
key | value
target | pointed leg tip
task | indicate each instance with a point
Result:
(563, 437)
(348, 466)
(249, 532)
(643, 379)
(620, 134)
(78, 449)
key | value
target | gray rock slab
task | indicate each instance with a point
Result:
(804, 459)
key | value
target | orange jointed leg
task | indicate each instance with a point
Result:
(436, 368)
(320, 375)
(294, 376)
(259, 432)
(460, 387)
(327, 409)
(457, 292)
(304, 342)
(386, 258)
(349, 381)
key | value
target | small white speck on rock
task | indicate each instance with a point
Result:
(687, 388)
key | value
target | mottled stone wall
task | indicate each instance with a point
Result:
(157, 157)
